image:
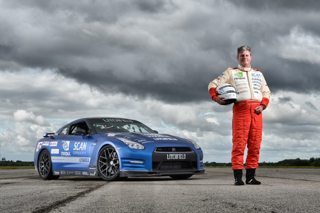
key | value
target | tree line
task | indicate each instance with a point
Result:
(312, 162)
(16, 163)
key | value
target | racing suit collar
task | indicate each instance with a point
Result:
(247, 69)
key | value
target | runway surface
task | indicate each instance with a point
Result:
(283, 190)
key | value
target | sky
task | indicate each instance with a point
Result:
(152, 60)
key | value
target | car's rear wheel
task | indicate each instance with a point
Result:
(108, 163)
(180, 177)
(45, 166)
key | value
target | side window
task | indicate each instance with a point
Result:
(64, 131)
(79, 129)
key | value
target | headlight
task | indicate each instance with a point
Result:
(195, 144)
(132, 144)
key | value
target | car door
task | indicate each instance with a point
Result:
(76, 148)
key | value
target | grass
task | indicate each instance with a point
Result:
(16, 167)
(273, 166)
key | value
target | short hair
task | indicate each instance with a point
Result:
(243, 48)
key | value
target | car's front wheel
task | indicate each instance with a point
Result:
(45, 166)
(108, 163)
(180, 177)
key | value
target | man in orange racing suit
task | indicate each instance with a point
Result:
(253, 96)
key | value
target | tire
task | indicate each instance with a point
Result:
(45, 166)
(180, 177)
(108, 163)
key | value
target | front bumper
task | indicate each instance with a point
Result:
(178, 161)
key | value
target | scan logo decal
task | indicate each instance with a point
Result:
(80, 146)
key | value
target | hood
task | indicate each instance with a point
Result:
(149, 138)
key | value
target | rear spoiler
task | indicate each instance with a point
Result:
(49, 134)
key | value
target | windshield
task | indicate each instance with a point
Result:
(106, 125)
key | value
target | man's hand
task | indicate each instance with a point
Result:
(220, 100)
(258, 109)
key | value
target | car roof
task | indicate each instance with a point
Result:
(92, 118)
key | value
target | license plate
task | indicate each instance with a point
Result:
(176, 156)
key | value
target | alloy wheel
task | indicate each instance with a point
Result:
(44, 165)
(108, 163)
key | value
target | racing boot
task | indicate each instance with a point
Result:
(250, 173)
(238, 177)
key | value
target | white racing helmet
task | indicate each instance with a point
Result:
(227, 93)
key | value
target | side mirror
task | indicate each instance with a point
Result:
(155, 131)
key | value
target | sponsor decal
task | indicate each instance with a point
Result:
(238, 75)
(158, 137)
(39, 145)
(77, 172)
(55, 151)
(92, 171)
(53, 143)
(45, 143)
(142, 141)
(256, 75)
(67, 172)
(80, 146)
(65, 154)
(176, 156)
(66, 159)
(118, 120)
(85, 173)
(165, 139)
(84, 160)
(65, 145)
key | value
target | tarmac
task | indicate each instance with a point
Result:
(282, 190)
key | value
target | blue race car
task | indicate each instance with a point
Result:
(115, 147)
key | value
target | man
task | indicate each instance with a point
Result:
(253, 96)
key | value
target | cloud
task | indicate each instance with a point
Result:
(152, 60)
(168, 50)
(281, 5)
(24, 116)
(289, 124)
(301, 46)
(313, 107)
(20, 137)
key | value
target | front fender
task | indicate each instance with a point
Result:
(118, 145)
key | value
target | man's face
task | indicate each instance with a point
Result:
(244, 58)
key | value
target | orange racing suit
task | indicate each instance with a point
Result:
(252, 91)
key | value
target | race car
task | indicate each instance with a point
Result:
(113, 148)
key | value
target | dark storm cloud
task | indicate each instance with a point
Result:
(279, 4)
(311, 105)
(158, 49)
(283, 100)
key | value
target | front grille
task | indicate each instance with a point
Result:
(174, 165)
(173, 149)
(174, 158)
